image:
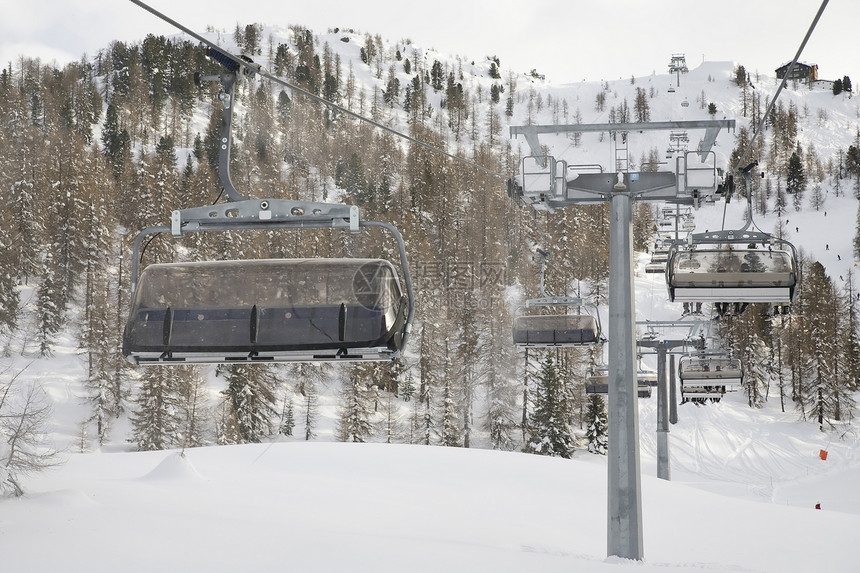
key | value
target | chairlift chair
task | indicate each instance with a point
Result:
(266, 310)
(708, 377)
(725, 267)
(646, 377)
(554, 330)
(598, 383)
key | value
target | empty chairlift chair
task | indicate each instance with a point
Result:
(598, 383)
(266, 310)
(543, 330)
(553, 330)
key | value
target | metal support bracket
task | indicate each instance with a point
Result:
(260, 213)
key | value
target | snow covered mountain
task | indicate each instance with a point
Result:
(745, 482)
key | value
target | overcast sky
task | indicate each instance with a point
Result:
(567, 40)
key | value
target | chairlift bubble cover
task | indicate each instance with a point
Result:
(555, 330)
(719, 370)
(731, 275)
(266, 310)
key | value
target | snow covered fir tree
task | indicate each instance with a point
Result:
(96, 150)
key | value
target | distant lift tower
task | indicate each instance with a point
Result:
(678, 141)
(677, 65)
(545, 183)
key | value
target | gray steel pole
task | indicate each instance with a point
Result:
(662, 416)
(673, 392)
(624, 491)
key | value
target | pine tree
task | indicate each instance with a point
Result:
(307, 376)
(10, 297)
(49, 311)
(549, 431)
(796, 180)
(156, 420)
(819, 391)
(193, 408)
(115, 141)
(597, 425)
(354, 424)
(849, 337)
(288, 417)
(250, 394)
(500, 420)
(837, 86)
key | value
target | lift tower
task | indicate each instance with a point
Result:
(545, 183)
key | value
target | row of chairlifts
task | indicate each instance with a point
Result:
(672, 222)
(265, 310)
(703, 378)
(539, 330)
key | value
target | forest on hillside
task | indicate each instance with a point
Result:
(95, 151)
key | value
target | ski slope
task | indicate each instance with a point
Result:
(734, 505)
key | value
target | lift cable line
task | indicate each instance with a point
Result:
(745, 156)
(249, 68)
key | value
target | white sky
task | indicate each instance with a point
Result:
(568, 40)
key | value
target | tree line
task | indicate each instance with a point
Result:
(103, 147)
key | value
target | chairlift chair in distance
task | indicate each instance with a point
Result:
(598, 383)
(726, 267)
(265, 310)
(554, 330)
(707, 377)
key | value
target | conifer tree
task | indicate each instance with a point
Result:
(193, 407)
(549, 429)
(849, 336)
(156, 420)
(354, 424)
(837, 86)
(116, 142)
(641, 107)
(796, 180)
(250, 394)
(500, 421)
(307, 377)
(819, 391)
(48, 307)
(288, 416)
(98, 342)
(10, 297)
(597, 425)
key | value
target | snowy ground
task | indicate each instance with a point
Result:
(739, 500)
(743, 488)
(744, 484)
